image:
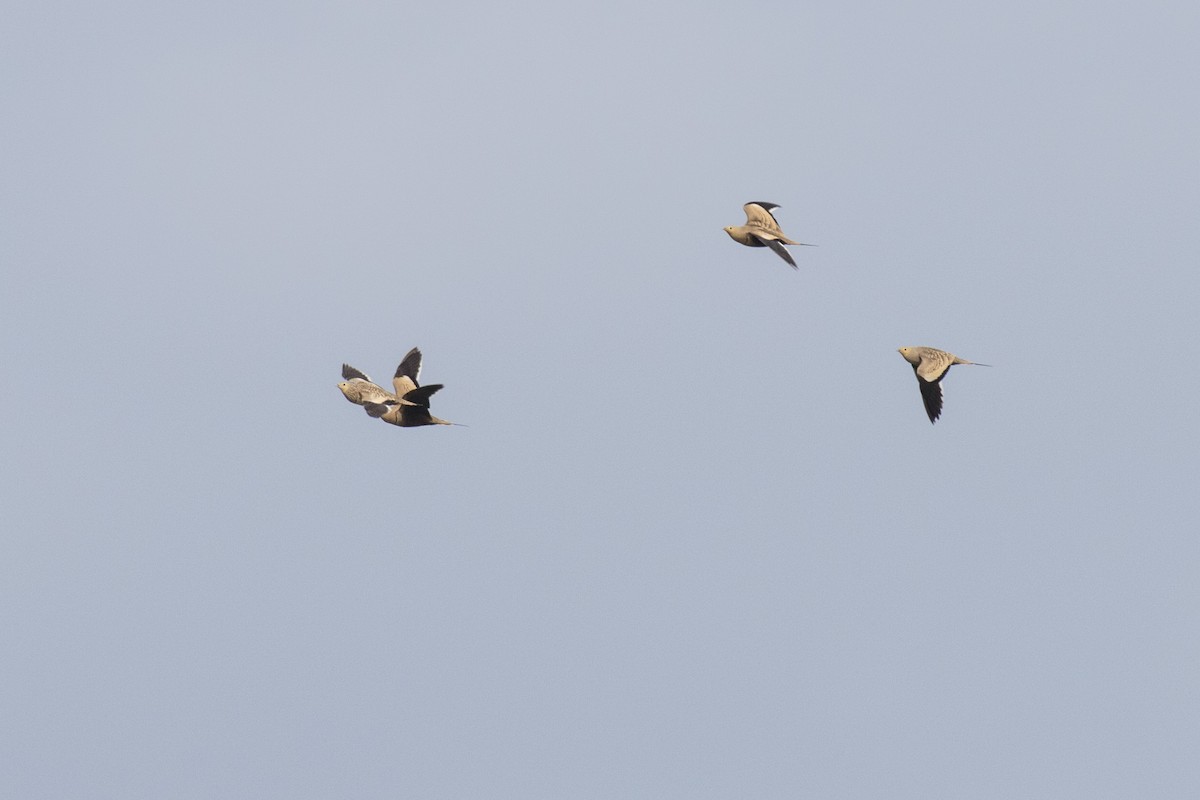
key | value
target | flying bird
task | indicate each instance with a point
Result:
(761, 230)
(360, 389)
(930, 366)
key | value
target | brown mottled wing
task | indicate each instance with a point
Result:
(407, 373)
(758, 215)
(403, 385)
(934, 364)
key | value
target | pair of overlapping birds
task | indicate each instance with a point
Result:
(408, 406)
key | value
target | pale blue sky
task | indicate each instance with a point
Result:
(699, 540)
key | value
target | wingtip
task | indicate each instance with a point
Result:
(350, 373)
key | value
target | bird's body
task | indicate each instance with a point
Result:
(405, 416)
(931, 365)
(761, 230)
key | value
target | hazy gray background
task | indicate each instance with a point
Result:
(699, 540)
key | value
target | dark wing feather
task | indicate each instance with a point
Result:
(410, 367)
(780, 250)
(349, 373)
(931, 395)
(421, 394)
